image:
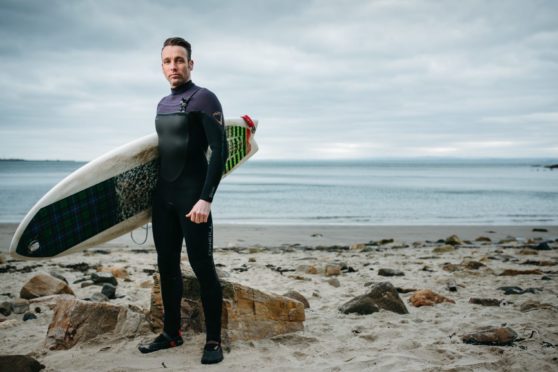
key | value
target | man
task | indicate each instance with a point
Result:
(189, 121)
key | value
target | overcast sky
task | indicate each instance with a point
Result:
(326, 79)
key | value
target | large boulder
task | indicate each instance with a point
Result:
(75, 321)
(382, 296)
(44, 285)
(248, 314)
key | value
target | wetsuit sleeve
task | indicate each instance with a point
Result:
(217, 141)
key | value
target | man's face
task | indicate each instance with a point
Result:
(176, 65)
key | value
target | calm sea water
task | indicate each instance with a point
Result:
(384, 192)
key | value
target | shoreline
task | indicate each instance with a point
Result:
(240, 235)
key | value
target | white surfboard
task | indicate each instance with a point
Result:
(108, 196)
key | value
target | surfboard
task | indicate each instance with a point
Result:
(108, 196)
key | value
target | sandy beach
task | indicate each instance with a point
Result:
(426, 339)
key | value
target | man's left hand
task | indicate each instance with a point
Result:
(200, 212)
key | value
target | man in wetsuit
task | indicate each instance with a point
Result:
(189, 121)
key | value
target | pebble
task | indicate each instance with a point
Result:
(29, 316)
(390, 272)
(543, 247)
(6, 308)
(20, 306)
(100, 278)
(444, 249)
(518, 290)
(493, 336)
(109, 290)
(334, 282)
(485, 301)
(427, 297)
(331, 270)
(453, 240)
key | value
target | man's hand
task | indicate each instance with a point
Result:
(200, 212)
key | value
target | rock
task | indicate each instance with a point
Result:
(471, 265)
(518, 290)
(405, 290)
(19, 363)
(29, 316)
(451, 285)
(248, 314)
(358, 246)
(87, 283)
(20, 306)
(493, 336)
(117, 271)
(539, 263)
(443, 249)
(390, 272)
(508, 240)
(386, 241)
(101, 278)
(252, 259)
(536, 305)
(513, 272)
(109, 290)
(99, 297)
(427, 297)
(381, 296)
(483, 239)
(537, 229)
(543, 247)
(453, 240)
(485, 301)
(528, 251)
(299, 297)
(44, 285)
(6, 308)
(331, 270)
(76, 321)
(146, 284)
(308, 269)
(57, 275)
(334, 282)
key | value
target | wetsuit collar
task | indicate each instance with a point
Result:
(182, 88)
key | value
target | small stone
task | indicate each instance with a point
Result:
(87, 283)
(483, 239)
(20, 363)
(381, 296)
(528, 251)
(493, 336)
(57, 275)
(100, 278)
(334, 282)
(44, 285)
(252, 259)
(331, 270)
(543, 247)
(518, 290)
(535, 305)
(443, 249)
(20, 306)
(513, 272)
(386, 241)
(146, 284)
(536, 229)
(6, 308)
(99, 297)
(472, 265)
(109, 290)
(29, 316)
(358, 246)
(451, 285)
(390, 272)
(299, 297)
(427, 297)
(119, 272)
(453, 240)
(485, 301)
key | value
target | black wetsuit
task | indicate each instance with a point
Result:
(188, 121)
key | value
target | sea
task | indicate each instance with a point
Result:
(357, 192)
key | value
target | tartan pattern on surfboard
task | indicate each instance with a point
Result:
(80, 216)
(72, 220)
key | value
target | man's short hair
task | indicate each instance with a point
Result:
(178, 41)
